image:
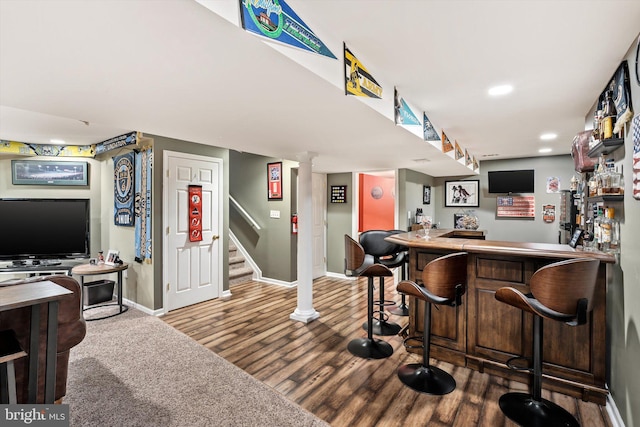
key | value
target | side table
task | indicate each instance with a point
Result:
(97, 270)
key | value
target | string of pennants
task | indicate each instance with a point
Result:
(276, 21)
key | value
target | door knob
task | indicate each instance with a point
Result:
(215, 237)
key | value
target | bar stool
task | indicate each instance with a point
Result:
(10, 350)
(562, 291)
(400, 259)
(374, 244)
(445, 281)
(357, 264)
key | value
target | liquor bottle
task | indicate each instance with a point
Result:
(610, 232)
(609, 116)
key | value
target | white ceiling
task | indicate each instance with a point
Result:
(180, 69)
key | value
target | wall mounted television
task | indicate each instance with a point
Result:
(46, 230)
(514, 181)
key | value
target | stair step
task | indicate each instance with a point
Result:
(240, 275)
(236, 262)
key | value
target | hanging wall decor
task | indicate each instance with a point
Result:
(123, 186)
(274, 181)
(636, 157)
(195, 213)
(47, 172)
(144, 160)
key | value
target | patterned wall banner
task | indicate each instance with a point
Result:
(276, 20)
(446, 144)
(117, 142)
(144, 160)
(195, 213)
(636, 157)
(430, 133)
(402, 112)
(123, 186)
(26, 149)
(358, 80)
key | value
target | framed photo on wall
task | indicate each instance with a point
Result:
(274, 181)
(426, 194)
(48, 172)
(463, 194)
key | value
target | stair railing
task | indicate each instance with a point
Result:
(244, 213)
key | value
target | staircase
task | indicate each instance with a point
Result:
(239, 272)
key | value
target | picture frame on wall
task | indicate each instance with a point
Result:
(463, 194)
(426, 194)
(49, 172)
(274, 181)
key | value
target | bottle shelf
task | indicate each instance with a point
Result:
(610, 198)
(605, 147)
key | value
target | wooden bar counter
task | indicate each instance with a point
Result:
(483, 333)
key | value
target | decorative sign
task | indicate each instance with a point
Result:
(338, 194)
(549, 213)
(358, 81)
(117, 142)
(28, 149)
(123, 186)
(195, 213)
(276, 20)
(274, 181)
(516, 207)
(553, 184)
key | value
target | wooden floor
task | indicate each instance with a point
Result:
(310, 364)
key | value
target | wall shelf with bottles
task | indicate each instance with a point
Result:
(605, 147)
(608, 198)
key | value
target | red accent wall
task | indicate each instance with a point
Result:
(376, 203)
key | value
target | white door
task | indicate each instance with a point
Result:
(319, 189)
(192, 271)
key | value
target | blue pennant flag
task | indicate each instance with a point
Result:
(274, 19)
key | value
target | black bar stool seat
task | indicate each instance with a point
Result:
(563, 292)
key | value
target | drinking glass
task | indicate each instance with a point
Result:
(426, 225)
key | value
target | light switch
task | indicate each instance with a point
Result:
(275, 214)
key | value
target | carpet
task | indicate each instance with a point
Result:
(135, 370)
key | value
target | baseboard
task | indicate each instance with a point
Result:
(614, 414)
(277, 282)
(339, 276)
(142, 308)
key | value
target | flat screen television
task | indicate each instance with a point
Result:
(514, 181)
(44, 229)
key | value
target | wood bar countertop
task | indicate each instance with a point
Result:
(454, 239)
(483, 333)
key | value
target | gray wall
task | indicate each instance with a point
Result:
(339, 221)
(514, 229)
(623, 291)
(410, 189)
(273, 247)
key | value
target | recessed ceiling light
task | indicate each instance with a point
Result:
(544, 150)
(57, 141)
(500, 90)
(548, 136)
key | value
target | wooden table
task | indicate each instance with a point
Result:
(97, 270)
(484, 333)
(34, 295)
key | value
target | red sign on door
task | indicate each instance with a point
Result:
(195, 213)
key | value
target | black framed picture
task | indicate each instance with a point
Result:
(426, 194)
(48, 172)
(464, 194)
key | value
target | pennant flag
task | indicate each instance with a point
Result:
(358, 81)
(403, 114)
(276, 20)
(430, 133)
(475, 163)
(446, 144)
(467, 157)
(459, 153)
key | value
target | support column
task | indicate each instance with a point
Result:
(305, 312)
